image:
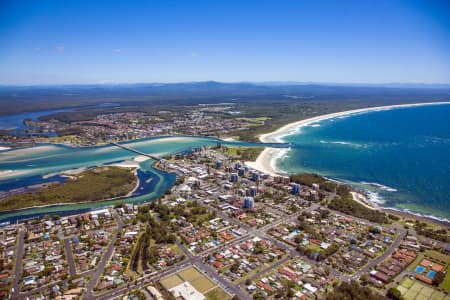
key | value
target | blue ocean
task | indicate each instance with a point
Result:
(401, 156)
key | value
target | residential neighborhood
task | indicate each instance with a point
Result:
(224, 230)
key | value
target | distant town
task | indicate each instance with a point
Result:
(218, 120)
(226, 231)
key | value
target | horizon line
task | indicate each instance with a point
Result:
(256, 83)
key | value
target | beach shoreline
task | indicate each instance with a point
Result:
(265, 162)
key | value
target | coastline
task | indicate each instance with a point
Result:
(265, 162)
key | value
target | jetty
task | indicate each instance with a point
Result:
(136, 151)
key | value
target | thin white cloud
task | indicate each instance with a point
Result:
(60, 48)
(195, 54)
(118, 50)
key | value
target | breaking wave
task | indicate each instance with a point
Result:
(379, 186)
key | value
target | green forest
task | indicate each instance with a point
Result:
(91, 185)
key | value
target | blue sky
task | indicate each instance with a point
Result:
(383, 41)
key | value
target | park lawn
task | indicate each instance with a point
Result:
(314, 247)
(415, 290)
(202, 284)
(438, 256)
(406, 282)
(255, 119)
(189, 274)
(171, 281)
(261, 119)
(445, 284)
(245, 153)
(199, 281)
(217, 294)
(176, 249)
(402, 289)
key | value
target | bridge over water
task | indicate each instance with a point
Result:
(135, 151)
(272, 145)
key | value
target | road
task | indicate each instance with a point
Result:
(135, 151)
(18, 267)
(394, 246)
(226, 284)
(105, 259)
(270, 268)
(42, 288)
(197, 260)
(69, 255)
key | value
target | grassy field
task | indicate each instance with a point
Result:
(244, 153)
(198, 280)
(414, 290)
(176, 249)
(445, 285)
(438, 256)
(314, 247)
(171, 281)
(189, 274)
(217, 294)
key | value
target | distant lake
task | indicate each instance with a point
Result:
(16, 125)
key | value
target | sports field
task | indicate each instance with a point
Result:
(414, 290)
(217, 294)
(198, 280)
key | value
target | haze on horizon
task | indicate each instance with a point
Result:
(86, 42)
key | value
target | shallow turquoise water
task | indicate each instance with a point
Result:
(403, 152)
(28, 166)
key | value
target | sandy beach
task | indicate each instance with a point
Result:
(265, 161)
(141, 158)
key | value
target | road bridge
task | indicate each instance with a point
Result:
(135, 151)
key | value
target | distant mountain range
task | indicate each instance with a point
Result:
(217, 84)
(15, 99)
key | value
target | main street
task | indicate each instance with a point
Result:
(18, 266)
(69, 256)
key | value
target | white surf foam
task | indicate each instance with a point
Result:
(441, 219)
(278, 155)
(374, 197)
(380, 186)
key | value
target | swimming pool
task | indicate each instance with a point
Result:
(420, 269)
(431, 274)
